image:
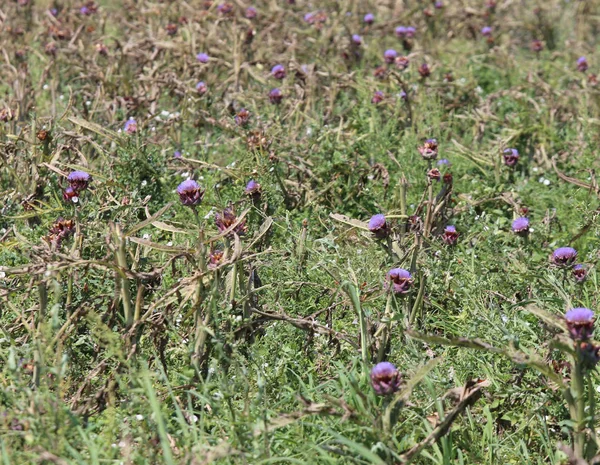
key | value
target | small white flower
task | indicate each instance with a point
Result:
(164, 113)
(46, 87)
(194, 418)
(146, 236)
(535, 169)
(153, 128)
(546, 182)
(61, 97)
(75, 199)
(531, 230)
(88, 103)
(139, 417)
(169, 244)
(144, 183)
(238, 318)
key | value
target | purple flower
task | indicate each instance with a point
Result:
(438, 5)
(390, 55)
(403, 95)
(385, 378)
(69, 194)
(582, 64)
(278, 72)
(486, 31)
(378, 97)
(424, 70)
(79, 180)
(242, 117)
(369, 18)
(203, 58)
(564, 256)
(190, 193)
(579, 273)
(53, 12)
(251, 12)
(378, 226)
(225, 8)
(227, 219)
(410, 32)
(356, 39)
(450, 235)
(201, 88)
(402, 62)
(253, 189)
(434, 174)
(177, 154)
(444, 162)
(399, 281)
(275, 95)
(130, 126)
(309, 18)
(520, 226)
(429, 150)
(580, 322)
(511, 157)
(215, 258)
(400, 31)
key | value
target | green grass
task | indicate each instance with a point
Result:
(280, 376)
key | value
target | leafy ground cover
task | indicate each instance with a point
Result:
(219, 219)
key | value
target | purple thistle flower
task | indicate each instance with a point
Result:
(399, 281)
(402, 62)
(579, 273)
(275, 95)
(378, 97)
(69, 194)
(278, 72)
(564, 256)
(410, 32)
(369, 18)
(190, 193)
(203, 58)
(202, 88)
(309, 18)
(390, 55)
(438, 5)
(580, 322)
(356, 39)
(434, 174)
(450, 235)
(227, 219)
(251, 12)
(486, 31)
(429, 150)
(520, 226)
(130, 126)
(378, 226)
(385, 378)
(242, 117)
(253, 189)
(511, 157)
(79, 180)
(215, 258)
(582, 64)
(400, 31)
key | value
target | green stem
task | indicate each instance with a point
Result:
(578, 394)
(352, 292)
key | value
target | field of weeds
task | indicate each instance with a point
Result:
(293, 232)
